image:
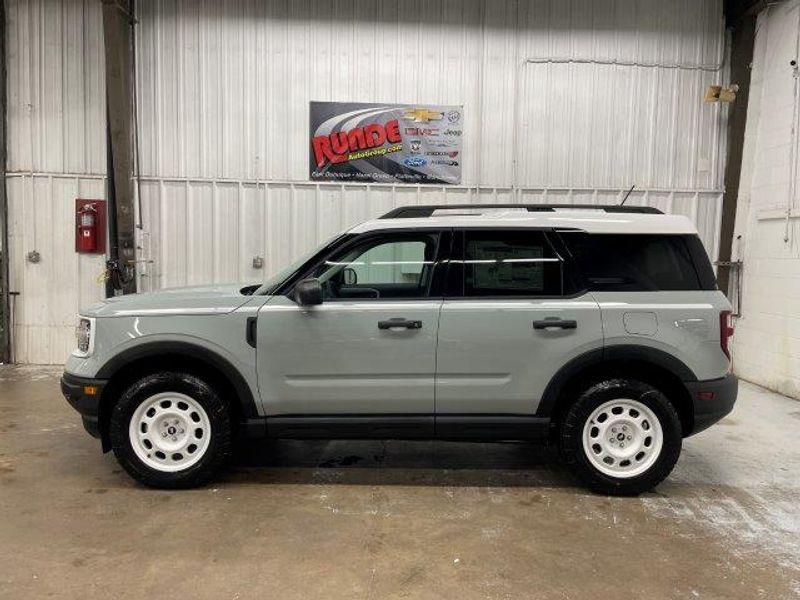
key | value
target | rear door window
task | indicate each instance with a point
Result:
(510, 263)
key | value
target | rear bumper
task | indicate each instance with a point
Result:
(712, 399)
(83, 394)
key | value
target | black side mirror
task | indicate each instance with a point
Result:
(308, 292)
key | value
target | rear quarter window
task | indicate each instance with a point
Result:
(638, 262)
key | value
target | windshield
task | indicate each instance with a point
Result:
(272, 283)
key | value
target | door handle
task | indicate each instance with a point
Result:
(397, 323)
(555, 323)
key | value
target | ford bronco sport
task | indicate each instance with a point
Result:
(598, 328)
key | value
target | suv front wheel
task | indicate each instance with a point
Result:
(621, 437)
(171, 430)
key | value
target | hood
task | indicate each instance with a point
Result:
(196, 300)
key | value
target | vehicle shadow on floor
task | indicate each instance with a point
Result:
(394, 462)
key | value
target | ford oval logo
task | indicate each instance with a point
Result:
(415, 161)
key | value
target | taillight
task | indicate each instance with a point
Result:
(725, 331)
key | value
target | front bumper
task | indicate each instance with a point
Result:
(712, 400)
(84, 394)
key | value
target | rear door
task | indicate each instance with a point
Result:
(511, 320)
(370, 347)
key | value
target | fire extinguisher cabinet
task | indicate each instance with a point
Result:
(90, 226)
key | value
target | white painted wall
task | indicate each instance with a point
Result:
(766, 346)
(612, 96)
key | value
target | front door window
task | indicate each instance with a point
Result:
(382, 267)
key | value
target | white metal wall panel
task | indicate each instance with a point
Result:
(56, 90)
(56, 152)
(563, 101)
(41, 217)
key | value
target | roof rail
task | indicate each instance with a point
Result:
(419, 211)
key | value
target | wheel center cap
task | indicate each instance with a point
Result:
(621, 437)
(172, 430)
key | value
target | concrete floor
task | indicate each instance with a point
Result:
(383, 520)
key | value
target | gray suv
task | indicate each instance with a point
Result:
(597, 328)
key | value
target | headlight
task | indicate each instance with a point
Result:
(84, 336)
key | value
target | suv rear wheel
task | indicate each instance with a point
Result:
(621, 437)
(171, 430)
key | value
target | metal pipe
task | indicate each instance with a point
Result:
(135, 100)
(5, 302)
(627, 63)
(479, 135)
(306, 183)
(111, 195)
(793, 137)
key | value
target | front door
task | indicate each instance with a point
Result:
(370, 347)
(511, 324)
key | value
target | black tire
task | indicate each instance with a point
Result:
(219, 447)
(571, 436)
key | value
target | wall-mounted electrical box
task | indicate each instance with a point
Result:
(90, 226)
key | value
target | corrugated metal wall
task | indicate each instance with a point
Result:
(564, 102)
(56, 152)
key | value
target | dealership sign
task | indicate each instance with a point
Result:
(386, 143)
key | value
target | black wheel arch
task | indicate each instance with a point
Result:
(643, 363)
(125, 367)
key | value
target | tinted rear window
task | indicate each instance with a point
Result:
(620, 262)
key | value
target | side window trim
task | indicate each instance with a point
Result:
(453, 285)
(574, 284)
(441, 264)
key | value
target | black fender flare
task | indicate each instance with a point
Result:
(193, 351)
(574, 367)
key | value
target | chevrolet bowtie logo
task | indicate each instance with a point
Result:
(422, 115)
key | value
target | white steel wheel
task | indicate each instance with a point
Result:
(622, 438)
(169, 432)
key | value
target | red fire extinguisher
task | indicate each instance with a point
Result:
(90, 226)
(87, 228)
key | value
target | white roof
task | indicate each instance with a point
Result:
(591, 221)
